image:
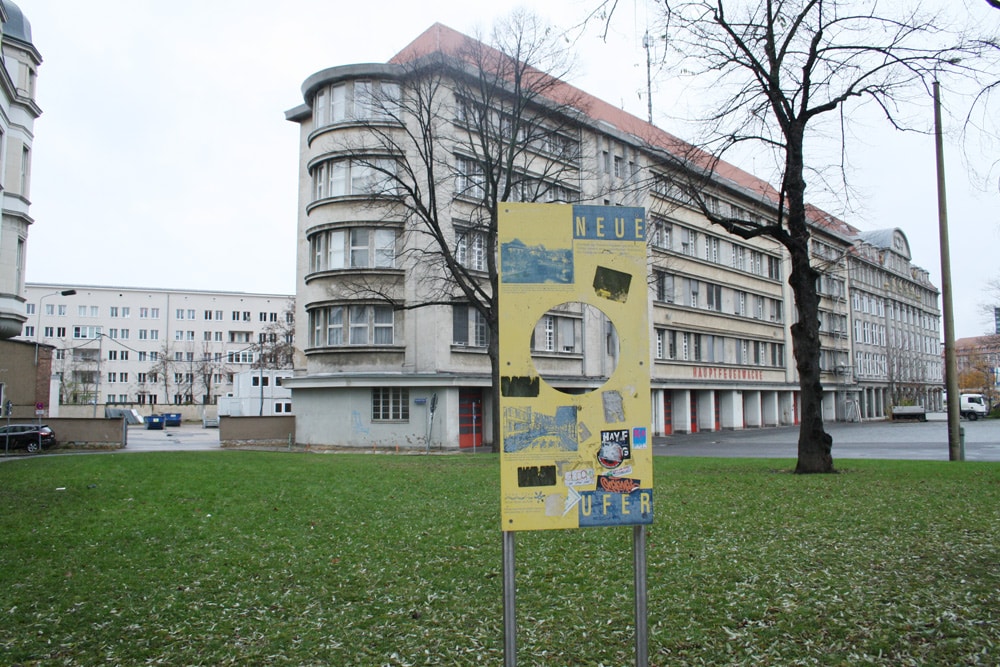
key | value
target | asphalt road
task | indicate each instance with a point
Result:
(870, 440)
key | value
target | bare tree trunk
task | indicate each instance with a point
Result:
(815, 444)
(494, 352)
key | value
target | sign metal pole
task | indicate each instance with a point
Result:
(509, 592)
(641, 609)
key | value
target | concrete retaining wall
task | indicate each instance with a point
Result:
(88, 433)
(189, 413)
(256, 431)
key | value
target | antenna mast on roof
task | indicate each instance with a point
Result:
(647, 44)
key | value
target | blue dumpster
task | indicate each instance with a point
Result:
(154, 423)
(172, 418)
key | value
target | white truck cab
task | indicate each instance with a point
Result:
(973, 406)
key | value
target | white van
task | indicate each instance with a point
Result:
(973, 406)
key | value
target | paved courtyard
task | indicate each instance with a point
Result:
(870, 440)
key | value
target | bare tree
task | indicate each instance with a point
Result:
(162, 368)
(988, 309)
(275, 347)
(474, 126)
(207, 369)
(777, 68)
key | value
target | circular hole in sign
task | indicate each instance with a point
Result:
(574, 347)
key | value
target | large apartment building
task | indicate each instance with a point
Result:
(155, 347)
(395, 354)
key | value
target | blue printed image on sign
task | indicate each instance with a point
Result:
(603, 508)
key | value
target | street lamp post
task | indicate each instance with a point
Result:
(955, 450)
(38, 324)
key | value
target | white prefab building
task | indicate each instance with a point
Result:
(386, 335)
(149, 348)
(258, 393)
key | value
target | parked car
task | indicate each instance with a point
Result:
(27, 436)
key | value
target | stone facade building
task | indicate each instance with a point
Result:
(395, 355)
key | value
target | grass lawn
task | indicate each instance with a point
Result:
(260, 558)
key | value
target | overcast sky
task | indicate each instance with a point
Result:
(163, 159)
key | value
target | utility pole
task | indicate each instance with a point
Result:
(955, 450)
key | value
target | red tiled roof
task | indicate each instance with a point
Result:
(442, 39)
(977, 342)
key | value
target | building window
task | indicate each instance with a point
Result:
(359, 177)
(739, 257)
(25, 169)
(29, 331)
(664, 287)
(86, 332)
(712, 248)
(468, 326)
(471, 250)
(359, 248)
(327, 326)
(774, 268)
(660, 231)
(777, 316)
(390, 404)
(239, 357)
(469, 178)
(356, 100)
(555, 333)
(366, 325)
(714, 297)
(689, 242)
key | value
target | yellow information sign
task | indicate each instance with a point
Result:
(577, 449)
